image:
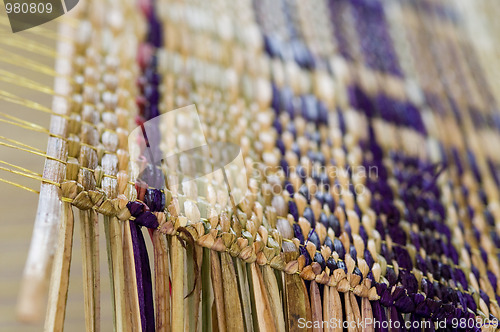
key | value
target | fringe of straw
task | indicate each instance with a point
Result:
(59, 281)
(90, 262)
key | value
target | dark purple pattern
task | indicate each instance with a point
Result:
(309, 215)
(155, 200)
(376, 43)
(143, 276)
(332, 265)
(337, 8)
(303, 251)
(297, 232)
(379, 315)
(314, 238)
(318, 258)
(339, 248)
(293, 210)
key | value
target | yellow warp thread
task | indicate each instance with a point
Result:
(29, 45)
(30, 176)
(21, 61)
(21, 144)
(32, 152)
(21, 168)
(39, 31)
(26, 83)
(7, 96)
(19, 186)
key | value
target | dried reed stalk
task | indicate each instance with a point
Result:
(59, 282)
(216, 273)
(336, 308)
(117, 274)
(355, 308)
(350, 309)
(48, 217)
(198, 252)
(366, 309)
(296, 298)
(232, 305)
(327, 308)
(274, 296)
(206, 292)
(132, 299)
(316, 309)
(177, 262)
(96, 270)
(162, 276)
(107, 231)
(262, 307)
(245, 294)
(87, 238)
(191, 312)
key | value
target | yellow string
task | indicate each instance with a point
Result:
(29, 45)
(4, 95)
(30, 176)
(20, 61)
(21, 168)
(41, 154)
(7, 96)
(38, 176)
(21, 144)
(19, 186)
(40, 31)
(39, 129)
(28, 125)
(26, 83)
(31, 151)
(24, 126)
(34, 126)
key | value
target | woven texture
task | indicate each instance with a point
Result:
(365, 135)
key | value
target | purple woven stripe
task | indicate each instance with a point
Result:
(151, 176)
(379, 315)
(373, 33)
(143, 276)
(402, 113)
(337, 9)
(434, 301)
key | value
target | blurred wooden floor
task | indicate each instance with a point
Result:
(19, 207)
